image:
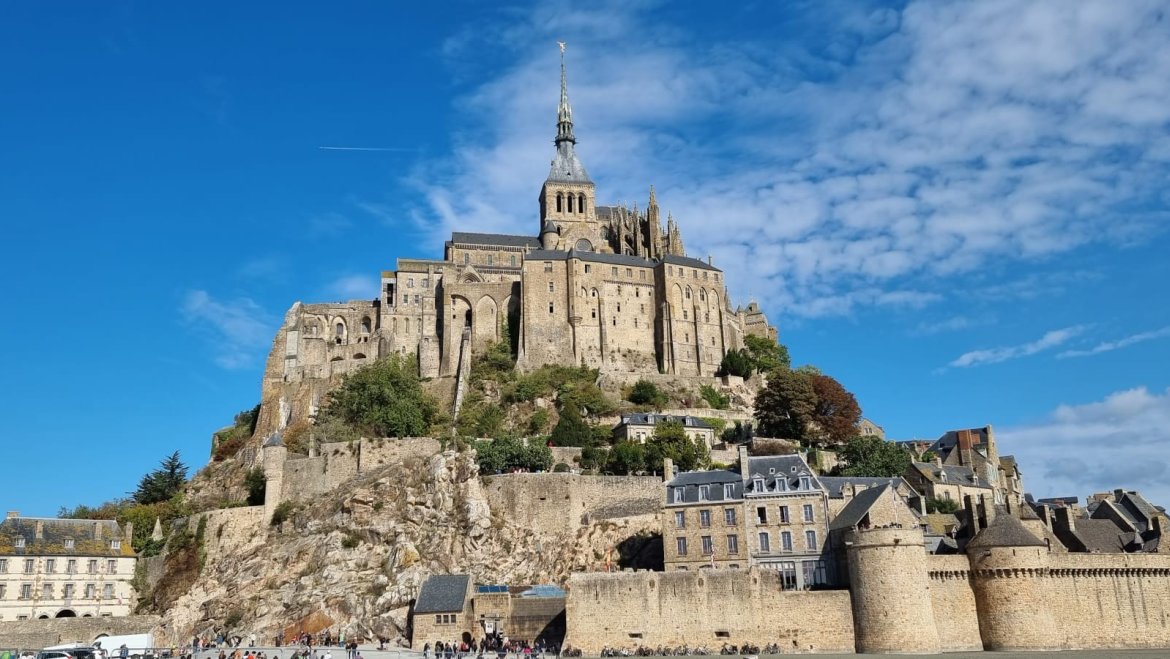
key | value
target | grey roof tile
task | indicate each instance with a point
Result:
(858, 506)
(442, 593)
(647, 419)
(502, 239)
(1004, 531)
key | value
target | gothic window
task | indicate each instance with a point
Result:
(366, 325)
(581, 203)
(340, 330)
(570, 203)
(593, 293)
(560, 202)
(688, 292)
(702, 295)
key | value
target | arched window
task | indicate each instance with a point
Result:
(570, 209)
(593, 293)
(340, 330)
(580, 203)
(366, 325)
(584, 245)
(560, 202)
(702, 295)
(688, 292)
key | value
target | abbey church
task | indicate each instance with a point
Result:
(604, 286)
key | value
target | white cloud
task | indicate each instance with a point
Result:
(237, 328)
(353, 287)
(928, 143)
(1050, 340)
(1108, 346)
(1119, 442)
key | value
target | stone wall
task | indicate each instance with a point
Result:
(303, 478)
(953, 601)
(710, 608)
(232, 531)
(557, 503)
(36, 634)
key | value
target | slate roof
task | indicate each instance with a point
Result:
(566, 167)
(835, 485)
(501, 239)
(781, 473)
(1100, 535)
(943, 445)
(714, 479)
(1004, 531)
(90, 537)
(644, 419)
(442, 593)
(956, 475)
(688, 262)
(858, 507)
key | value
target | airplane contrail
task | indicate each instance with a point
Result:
(364, 148)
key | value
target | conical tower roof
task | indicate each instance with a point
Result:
(1004, 531)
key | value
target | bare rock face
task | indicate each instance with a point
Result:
(354, 560)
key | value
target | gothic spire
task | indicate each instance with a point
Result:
(564, 110)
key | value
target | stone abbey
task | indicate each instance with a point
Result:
(603, 286)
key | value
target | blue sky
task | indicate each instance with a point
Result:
(957, 209)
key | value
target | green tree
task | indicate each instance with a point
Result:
(594, 458)
(509, 453)
(626, 458)
(786, 406)
(946, 506)
(645, 392)
(715, 398)
(670, 441)
(736, 362)
(766, 355)
(385, 399)
(873, 456)
(162, 483)
(571, 429)
(257, 484)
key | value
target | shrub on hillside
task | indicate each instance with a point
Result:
(715, 398)
(384, 399)
(645, 392)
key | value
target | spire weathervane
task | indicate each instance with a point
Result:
(564, 111)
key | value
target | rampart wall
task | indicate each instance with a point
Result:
(336, 462)
(563, 502)
(709, 607)
(953, 602)
(36, 634)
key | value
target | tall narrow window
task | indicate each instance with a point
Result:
(808, 512)
(551, 308)
(810, 540)
(732, 544)
(581, 203)
(786, 540)
(708, 545)
(765, 543)
(681, 546)
(560, 202)
(513, 260)
(570, 209)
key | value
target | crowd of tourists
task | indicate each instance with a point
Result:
(500, 646)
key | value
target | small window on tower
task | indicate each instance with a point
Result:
(551, 308)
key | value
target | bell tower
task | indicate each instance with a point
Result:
(568, 197)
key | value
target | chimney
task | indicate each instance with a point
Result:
(987, 505)
(744, 463)
(848, 491)
(128, 532)
(1064, 520)
(1045, 514)
(965, 448)
(921, 505)
(97, 530)
(972, 514)
(39, 533)
(667, 470)
(1156, 525)
(937, 462)
(1117, 494)
(13, 514)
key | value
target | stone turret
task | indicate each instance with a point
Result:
(892, 609)
(273, 454)
(1009, 568)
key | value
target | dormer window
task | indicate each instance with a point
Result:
(728, 491)
(679, 494)
(758, 484)
(782, 484)
(805, 483)
(69, 543)
(19, 542)
(115, 544)
(704, 492)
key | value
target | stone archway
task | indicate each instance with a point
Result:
(66, 613)
(486, 321)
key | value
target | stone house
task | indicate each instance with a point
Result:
(771, 512)
(935, 480)
(65, 568)
(638, 427)
(976, 449)
(842, 489)
(1117, 522)
(442, 611)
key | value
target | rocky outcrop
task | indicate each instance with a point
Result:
(354, 560)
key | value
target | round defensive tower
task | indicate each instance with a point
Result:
(1009, 567)
(892, 612)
